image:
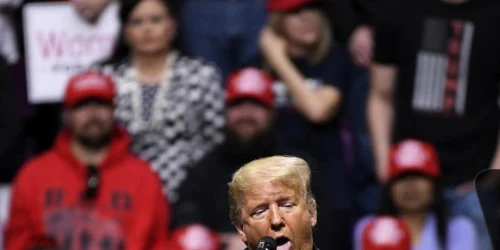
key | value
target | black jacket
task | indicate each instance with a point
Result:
(10, 126)
(204, 195)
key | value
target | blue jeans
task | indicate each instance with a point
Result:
(225, 32)
(468, 205)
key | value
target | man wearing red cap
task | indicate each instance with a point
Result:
(249, 136)
(88, 191)
(386, 233)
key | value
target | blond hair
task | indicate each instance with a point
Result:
(320, 51)
(293, 172)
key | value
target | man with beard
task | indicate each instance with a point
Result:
(249, 136)
(88, 191)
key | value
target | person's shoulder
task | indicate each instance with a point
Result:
(211, 158)
(112, 69)
(460, 223)
(196, 65)
(45, 159)
(134, 160)
(359, 227)
(40, 165)
(198, 72)
(363, 221)
(137, 165)
(361, 224)
(461, 229)
(142, 171)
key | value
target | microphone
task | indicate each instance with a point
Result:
(266, 243)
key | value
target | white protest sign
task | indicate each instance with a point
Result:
(59, 43)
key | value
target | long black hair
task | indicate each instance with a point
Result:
(121, 50)
(438, 207)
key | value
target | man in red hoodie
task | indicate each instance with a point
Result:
(88, 191)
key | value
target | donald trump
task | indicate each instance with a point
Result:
(272, 197)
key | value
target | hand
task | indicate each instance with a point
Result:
(361, 46)
(271, 43)
(232, 241)
(90, 10)
(381, 175)
(464, 188)
(381, 169)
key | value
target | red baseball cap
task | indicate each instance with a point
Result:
(386, 233)
(195, 237)
(250, 83)
(286, 5)
(89, 85)
(413, 156)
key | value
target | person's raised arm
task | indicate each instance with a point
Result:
(317, 105)
(384, 71)
(380, 113)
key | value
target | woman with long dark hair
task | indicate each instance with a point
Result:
(172, 105)
(415, 194)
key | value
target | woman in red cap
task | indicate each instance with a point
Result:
(414, 193)
(297, 45)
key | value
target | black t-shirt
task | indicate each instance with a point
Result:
(448, 57)
(319, 140)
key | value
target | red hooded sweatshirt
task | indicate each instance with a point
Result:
(129, 212)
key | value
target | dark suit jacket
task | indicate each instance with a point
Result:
(204, 195)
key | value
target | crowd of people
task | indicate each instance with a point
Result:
(374, 117)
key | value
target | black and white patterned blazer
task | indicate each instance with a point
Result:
(186, 119)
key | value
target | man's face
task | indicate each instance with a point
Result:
(91, 122)
(248, 118)
(277, 211)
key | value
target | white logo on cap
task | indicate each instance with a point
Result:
(386, 232)
(94, 82)
(410, 154)
(250, 81)
(197, 237)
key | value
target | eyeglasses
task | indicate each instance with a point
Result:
(93, 182)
